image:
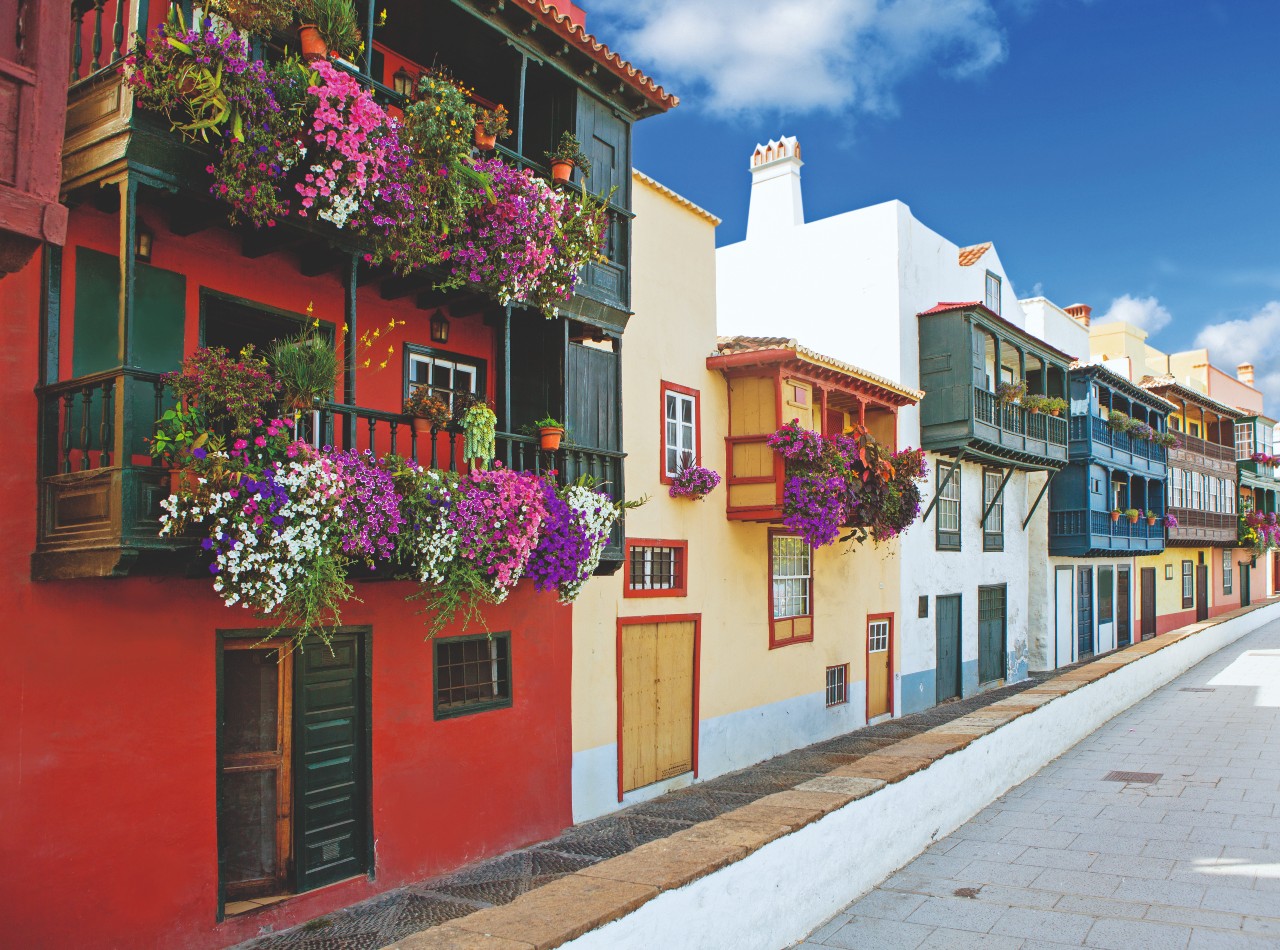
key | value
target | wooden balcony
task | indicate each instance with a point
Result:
(1199, 455)
(1202, 529)
(1085, 533)
(1008, 429)
(1092, 440)
(100, 490)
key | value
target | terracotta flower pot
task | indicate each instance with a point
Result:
(312, 43)
(182, 480)
(1053, 412)
(421, 427)
(484, 141)
(561, 171)
(1133, 519)
(1151, 521)
(551, 436)
(1115, 516)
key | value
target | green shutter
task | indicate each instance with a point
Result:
(331, 755)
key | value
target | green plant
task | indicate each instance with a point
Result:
(549, 422)
(1118, 421)
(495, 121)
(177, 432)
(1034, 403)
(336, 21)
(1150, 514)
(1133, 514)
(225, 390)
(1011, 392)
(421, 404)
(305, 366)
(569, 149)
(479, 424)
(1055, 404)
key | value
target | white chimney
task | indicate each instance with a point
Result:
(1244, 373)
(775, 188)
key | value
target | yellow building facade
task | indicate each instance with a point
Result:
(721, 642)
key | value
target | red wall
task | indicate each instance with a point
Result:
(107, 697)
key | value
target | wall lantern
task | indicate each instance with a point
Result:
(439, 328)
(402, 82)
(142, 249)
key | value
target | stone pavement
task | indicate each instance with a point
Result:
(1184, 856)
(497, 882)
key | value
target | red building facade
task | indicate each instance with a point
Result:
(162, 763)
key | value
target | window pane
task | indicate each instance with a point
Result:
(249, 822)
(251, 696)
(686, 410)
(465, 379)
(671, 409)
(442, 375)
(472, 673)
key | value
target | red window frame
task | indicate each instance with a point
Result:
(681, 589)
(696, 395)
(774, 642)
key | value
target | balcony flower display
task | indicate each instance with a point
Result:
(1168, 440)
(1118, 421)
(1259, 530)
(574, 532)
(848, 481)
(1011, 392)
(1170, 521)
(226, 390)
(693, 481)
(1263, 458)
(1142, 431)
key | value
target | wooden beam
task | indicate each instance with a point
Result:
(259, 243)
(188, 216)
(1026, 521)
(317, 258)
(393, 288)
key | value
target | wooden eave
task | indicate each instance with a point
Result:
(1004, 328)
(782, 361)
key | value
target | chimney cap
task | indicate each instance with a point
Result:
(776, 150)
(1080, 311)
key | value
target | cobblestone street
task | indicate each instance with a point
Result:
(1181, 852)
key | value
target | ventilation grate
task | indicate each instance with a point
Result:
(1196, 689)
(1136, 778)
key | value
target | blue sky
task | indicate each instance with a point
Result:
(1110, 148)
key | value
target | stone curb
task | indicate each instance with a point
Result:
(555, 913)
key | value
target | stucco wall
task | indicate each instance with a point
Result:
(753, 702)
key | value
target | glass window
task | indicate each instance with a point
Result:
(948, 536)
(1106, 595)
(1188, 586)
(680, 431)
(993, 292)
(792, 577)
(656, 568)
(1226, 572)
(1244, 440)
(993, 525)
(446, 375)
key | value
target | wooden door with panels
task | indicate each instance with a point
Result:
(657, 699)
(879, 665)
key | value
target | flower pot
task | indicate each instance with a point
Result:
(484, 141)
(421, 427)
(312, 42)
(1151, 521)
(1034, 412)
(561, 171)
(1115, 516)
(182, 480)
(1133, 519)
(551, 436)
(1054, 413)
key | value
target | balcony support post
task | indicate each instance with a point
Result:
(995, 500)
(524, 71)
(955, 467)
(508, 424)
(1040, 497)
(349, 287)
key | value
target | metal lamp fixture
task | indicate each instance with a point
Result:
(439, 328)
(142, 247)
(402, 81)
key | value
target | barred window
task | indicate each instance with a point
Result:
(472, 674)
(948, 537)
(656, 567)
(792, 577)
(837, 684)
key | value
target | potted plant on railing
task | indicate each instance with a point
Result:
(1140, 430)
(306, 367)
(693, 481)
(550, 432)
(567, 156)
(491, 125)
(1011, 392)
(1151, 517)
(255, 16)
(328, 27)
(1168, 440)
(1055, 406)
(429, 412)
(1133, 514)
(179, 438)
(1033, 403)
(1117, 421)
(1170, 521)
(1115, 515)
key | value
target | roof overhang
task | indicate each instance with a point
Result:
(796, 360)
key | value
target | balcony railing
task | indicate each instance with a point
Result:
(1102, 434)
(1032, 430)
(100, 485)
(1076, 532)
(1202, 527)
(98, 30)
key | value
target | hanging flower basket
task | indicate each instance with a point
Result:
(312, 42)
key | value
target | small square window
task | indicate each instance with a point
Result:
(472, 674)
(837, 688)
(656, 568)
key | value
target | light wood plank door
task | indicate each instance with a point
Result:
(879, 667)
(657, 686)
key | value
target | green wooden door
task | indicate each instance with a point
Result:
(593, 407)
(991, 633)
(606, 141)
(948, 636)
(331, 762)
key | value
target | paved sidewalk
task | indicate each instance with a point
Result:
(498, 881)
(1187, 857)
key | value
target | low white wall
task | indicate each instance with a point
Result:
(776, 895)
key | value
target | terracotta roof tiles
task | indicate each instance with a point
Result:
(973, 253)
(731, 345)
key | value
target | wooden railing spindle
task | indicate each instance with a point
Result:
(96, 45)
(68, 406)
(104, 425)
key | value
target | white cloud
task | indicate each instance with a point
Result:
(798, 56)
(1254, 339)
(1146, 313)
